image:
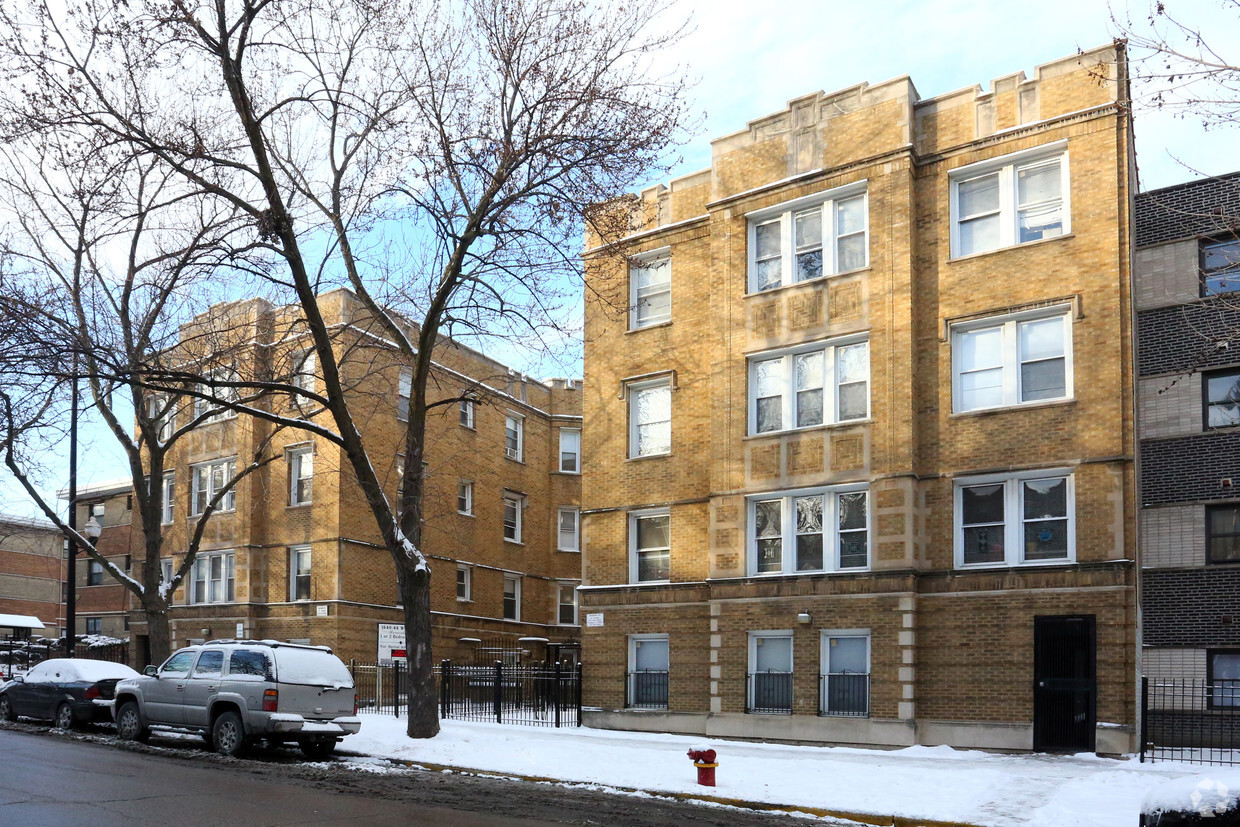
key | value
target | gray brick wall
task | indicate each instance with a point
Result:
(1169, 406)
(1191, 607)
(1180, 663)
(1190, 469)
(1173, 536)
(1209, 206)
(1167, 274)
(1183, 338)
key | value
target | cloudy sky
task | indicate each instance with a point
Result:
(749, 59)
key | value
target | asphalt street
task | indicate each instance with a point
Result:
(51, 778)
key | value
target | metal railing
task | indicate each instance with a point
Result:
(1193, 721)
(381, 688)
(844, 694)
(539, 694)
(770, 692)
(647, 689)
(17, 656)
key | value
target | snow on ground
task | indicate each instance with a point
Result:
(938, 783)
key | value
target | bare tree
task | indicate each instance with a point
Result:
(437, 158)
(98, 264)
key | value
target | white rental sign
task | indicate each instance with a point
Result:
(391, 642)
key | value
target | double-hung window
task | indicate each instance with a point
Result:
(1223, 533)
(650, 289)
(1010, 200)
(464, 583)
(467, 413)
(161, 412)
(224, 391)
(813, 530)
(1220, 267)
(808, 238)
(809, 385)
(465, 497)
(209, 479)
(570, 450)
(404, 389)
(1222, 398)
(304, 367)
(165, 573)
(650, 418)
(513, 503)
(512, 597)
(514, 437)
(300, 475)
(1012, 360)
(94, 573)
(211, 579)
(170, 490)
(1015, 520)
(569, 534)
(566, 611)
(94, 625)
(1223, 677)
(299, 573)
(650, 546)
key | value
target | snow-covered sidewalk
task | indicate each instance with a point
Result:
(937, 783)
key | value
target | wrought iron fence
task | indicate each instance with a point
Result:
(381, 688)
(647, 689)
(17, 656)
(844, 694)
(1194, 721)
(770, 692)
(539, 694)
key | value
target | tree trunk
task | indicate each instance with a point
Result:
(158, 633)
(415, 591)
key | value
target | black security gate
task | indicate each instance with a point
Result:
(1064, 684)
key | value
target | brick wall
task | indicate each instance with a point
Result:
(1190, 469)
(1193, 607)
(1196, 208)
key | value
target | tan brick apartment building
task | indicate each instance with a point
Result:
(294, 553)
(859, 456)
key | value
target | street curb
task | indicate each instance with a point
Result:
(757, 806)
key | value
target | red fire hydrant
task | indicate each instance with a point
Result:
(704, 760)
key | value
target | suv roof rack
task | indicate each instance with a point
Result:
(274, 644)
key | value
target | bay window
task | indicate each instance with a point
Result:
(814, 530)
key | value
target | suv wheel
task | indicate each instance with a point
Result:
(228, 734)
(6, 709)
(64, 717)
(129, 723)
(319, 749)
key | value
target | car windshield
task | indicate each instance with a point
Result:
(178, 664)
(313, 667)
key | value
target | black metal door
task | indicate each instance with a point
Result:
(1064, 684)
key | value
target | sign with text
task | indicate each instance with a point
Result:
(594, 619)
(391, 642)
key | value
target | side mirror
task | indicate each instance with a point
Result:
(151, 671)
(19, 678)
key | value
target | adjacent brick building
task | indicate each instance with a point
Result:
(1186, 277)
(859, 453)
(294, 553)
(32, 574)
(104, 605)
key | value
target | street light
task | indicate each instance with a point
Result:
(92, 530)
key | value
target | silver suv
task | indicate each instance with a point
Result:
(236, 692)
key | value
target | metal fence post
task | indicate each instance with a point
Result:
(578, 693)
(445, 679)
(499, 689)
(396, 688)
(1145, 713)
(556, 699)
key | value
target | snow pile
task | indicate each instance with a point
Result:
(1208, 795)
(97, 641)
(937, 783)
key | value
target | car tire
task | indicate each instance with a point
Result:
(64, 717)
(228, 734)
(129, 723)
(6, 709)
(320, 749)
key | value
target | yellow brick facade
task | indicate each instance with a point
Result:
(353, 580)
(951, 647)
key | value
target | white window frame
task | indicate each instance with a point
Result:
(1007, 167)
(229, 502)
(514, 424)
(634, 517)
(575, 513)
(1012, 361)
(226, 581)
(518, 501)
(650, 260)
(404, 391)
(467, 582)
(297, 462)
(560, 604)
(467, 414)
(231, 394)
(634, 390)
(165, 572)
(788, 390)
(157, 402)
(573, 437)
(788, 530)
(515, 580)
(1013, 517)
(784, 215)
(465, 491)
(294, 555)
(170, 491)
(824, 661)
(751, 665)
(305, 369)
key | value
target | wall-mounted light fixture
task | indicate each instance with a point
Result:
(802, 617)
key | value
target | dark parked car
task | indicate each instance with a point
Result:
(66, 691)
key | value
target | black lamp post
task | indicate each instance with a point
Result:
(71, 563)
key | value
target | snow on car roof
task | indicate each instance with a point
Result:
(69, 670)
